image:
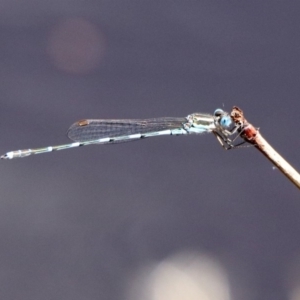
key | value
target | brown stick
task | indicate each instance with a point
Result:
(252, 135)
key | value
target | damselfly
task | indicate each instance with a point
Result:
(89, 131)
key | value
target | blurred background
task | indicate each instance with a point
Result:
(165, 218)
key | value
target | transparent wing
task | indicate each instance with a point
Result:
(87, 130)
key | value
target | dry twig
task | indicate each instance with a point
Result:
(252, 135)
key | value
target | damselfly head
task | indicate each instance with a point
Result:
(219, 112)
(223, 118)
(225, 121)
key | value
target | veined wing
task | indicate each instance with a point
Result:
(89, 129)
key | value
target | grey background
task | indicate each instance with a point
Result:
(75, 224)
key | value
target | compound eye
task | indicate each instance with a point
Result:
(219, 112)
(225, 121)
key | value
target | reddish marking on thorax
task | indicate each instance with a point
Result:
(249, 132)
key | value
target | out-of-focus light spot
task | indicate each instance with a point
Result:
(185, 276)
(295, 294)
(76, 46)
(292, 278)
